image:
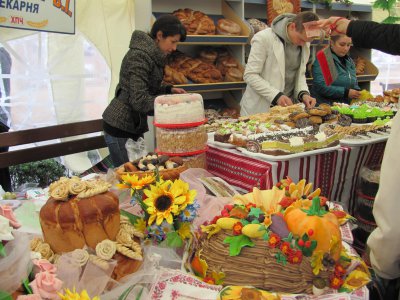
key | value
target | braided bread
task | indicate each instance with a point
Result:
(195, 22)
(360, 65)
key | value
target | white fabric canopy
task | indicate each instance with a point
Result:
(59, 78)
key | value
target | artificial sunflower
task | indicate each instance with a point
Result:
(189, 195)
(162, 201)
(73, 295)
(133, 182)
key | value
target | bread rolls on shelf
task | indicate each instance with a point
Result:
(195, 22)
(228, 27)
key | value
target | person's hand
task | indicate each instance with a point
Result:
(354, 94)
(309, 101)
(333, 25)
(284, 101)
(178, 91)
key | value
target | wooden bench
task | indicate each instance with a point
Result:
(54, 148)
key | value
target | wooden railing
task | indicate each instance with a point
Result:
(54, 148)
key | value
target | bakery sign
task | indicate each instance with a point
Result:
(40, 15)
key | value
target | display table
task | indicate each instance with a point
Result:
(335, 172)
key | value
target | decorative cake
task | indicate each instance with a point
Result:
(277, 240)
(181, 140)
(82, 218)
(79, 213)
(178, 109)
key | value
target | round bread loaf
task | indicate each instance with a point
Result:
(72, 224)
(228, 27)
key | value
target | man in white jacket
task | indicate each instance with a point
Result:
(275, 70)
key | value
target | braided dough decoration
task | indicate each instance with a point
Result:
(101, 263)
(124, 238)
(35, 243)
(60, 192)
(128, 252)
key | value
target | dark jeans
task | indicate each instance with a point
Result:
(116, 146)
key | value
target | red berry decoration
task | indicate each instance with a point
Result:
(307, 244)
(301, 243)
(310, 232)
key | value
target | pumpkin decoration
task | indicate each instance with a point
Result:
(306, 215)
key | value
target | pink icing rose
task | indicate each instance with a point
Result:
(30, 297)
(7, 212)
(43, 265)
(46, 285)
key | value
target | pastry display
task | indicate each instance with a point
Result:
(228, 27)
(291, 141)
(212, 65)
(195, 22)
(169, 167)
(178, 109)
(79, 213)
(171, 76)
(181, 140)
(208, 55)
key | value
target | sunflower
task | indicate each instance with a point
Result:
(163, 200)
(73, 295)
(134, 182)
(189, 194)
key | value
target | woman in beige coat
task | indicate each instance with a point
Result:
(275, 71)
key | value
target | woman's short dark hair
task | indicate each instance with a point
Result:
(304, 17)
(169, 25)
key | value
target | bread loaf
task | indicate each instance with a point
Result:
(195, 22)
(72, 224)
(228, 27)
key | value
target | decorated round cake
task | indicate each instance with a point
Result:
(178, 109)
(281, 240)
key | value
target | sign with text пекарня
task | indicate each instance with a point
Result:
(41, 15)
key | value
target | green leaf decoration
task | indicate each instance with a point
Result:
(289, 238)
(132, 218)
(236, 243)
(174, 240)
(344, 290)
(225, 291)
(27, 287)
(255, 211)
(5, 296)
(255, 221)
(244, 222)
(315, 209)
(2, 250)
(125, 294)
(266, 236)
(281, 258)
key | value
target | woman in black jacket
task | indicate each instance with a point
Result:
(140, 82)
(384, 241)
